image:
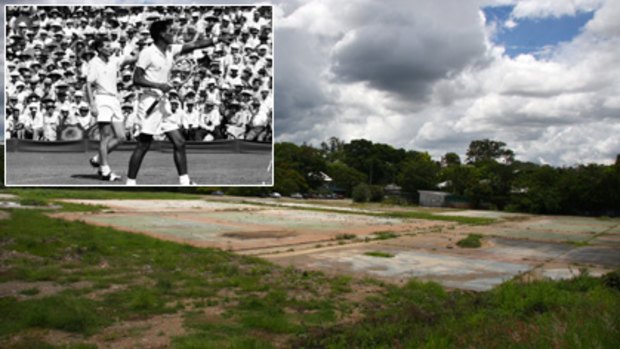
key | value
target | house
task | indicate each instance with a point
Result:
(392, 190)
(442, 199)
(433, 198)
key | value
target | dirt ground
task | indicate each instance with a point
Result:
(287, 233)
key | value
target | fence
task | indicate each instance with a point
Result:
(85, 145)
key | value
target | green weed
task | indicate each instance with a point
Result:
(379, 254)
(471, 241)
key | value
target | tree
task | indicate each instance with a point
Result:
(288, 181)
(450, 159)
(488, 150)
(333, 149)
(418, 173)
(345, 177)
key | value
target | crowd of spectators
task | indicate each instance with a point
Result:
(48, 51)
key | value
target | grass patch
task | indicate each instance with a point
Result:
(471, 241)
(59, 312)
(345, 236)
(30, 201)
(578, 243)
(385, 235)
(99, 194)
(578, 313)
(434, 217)
(73, 207)
(379, 254)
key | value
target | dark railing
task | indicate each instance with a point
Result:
(84, 145)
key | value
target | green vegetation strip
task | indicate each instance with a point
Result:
(126, 277)
(42, 195)
(379, 254)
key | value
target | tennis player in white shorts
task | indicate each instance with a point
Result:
(154, 64)
(105, 105)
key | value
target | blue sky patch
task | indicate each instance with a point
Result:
(533, 35)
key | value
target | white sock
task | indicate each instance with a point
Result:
(96, 158)
(131, 181)
(184, 179)
(105, 170)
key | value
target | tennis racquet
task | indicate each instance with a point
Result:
(181, 72)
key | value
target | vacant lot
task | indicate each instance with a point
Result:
(68, 283)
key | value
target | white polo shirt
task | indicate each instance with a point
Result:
(104, 75)
(156, 64)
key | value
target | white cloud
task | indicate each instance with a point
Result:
(510, 23)
(553, 8)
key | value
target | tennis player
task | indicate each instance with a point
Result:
(154, 64)
(105, 105)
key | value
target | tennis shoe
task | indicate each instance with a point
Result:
(110, 177)
(93, 162)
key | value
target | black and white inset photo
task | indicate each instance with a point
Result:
(138, 95)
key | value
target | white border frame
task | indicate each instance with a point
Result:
(273, 120)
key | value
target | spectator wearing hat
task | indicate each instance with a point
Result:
(33, 122)
(21, 92)
(253, 40)
(105, 105)
(213, 94)
(62, 95)
(191, 119)
(51, 122)
(177, 113)
(13, 102)
(258, 125)
(15, 129)
(233, 78)
(233, 57)
(78, 99)
(224, 26)
(210, 123)
(236, 125)
(131, 121)
(66, 118)
(84, 118)
(255, 19)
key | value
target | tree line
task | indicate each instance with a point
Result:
(489, 177)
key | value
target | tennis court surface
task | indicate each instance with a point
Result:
(393, 249)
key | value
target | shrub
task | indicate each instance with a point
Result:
(361, 193)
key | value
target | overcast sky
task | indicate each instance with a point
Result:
(433, 75)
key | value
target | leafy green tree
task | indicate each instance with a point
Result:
(418, 173)
(488, 150)
(459, 178)
(333, 149)
(345, 177)
(288, 180)
(305, 160)
(450, 160)
(379, 162)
